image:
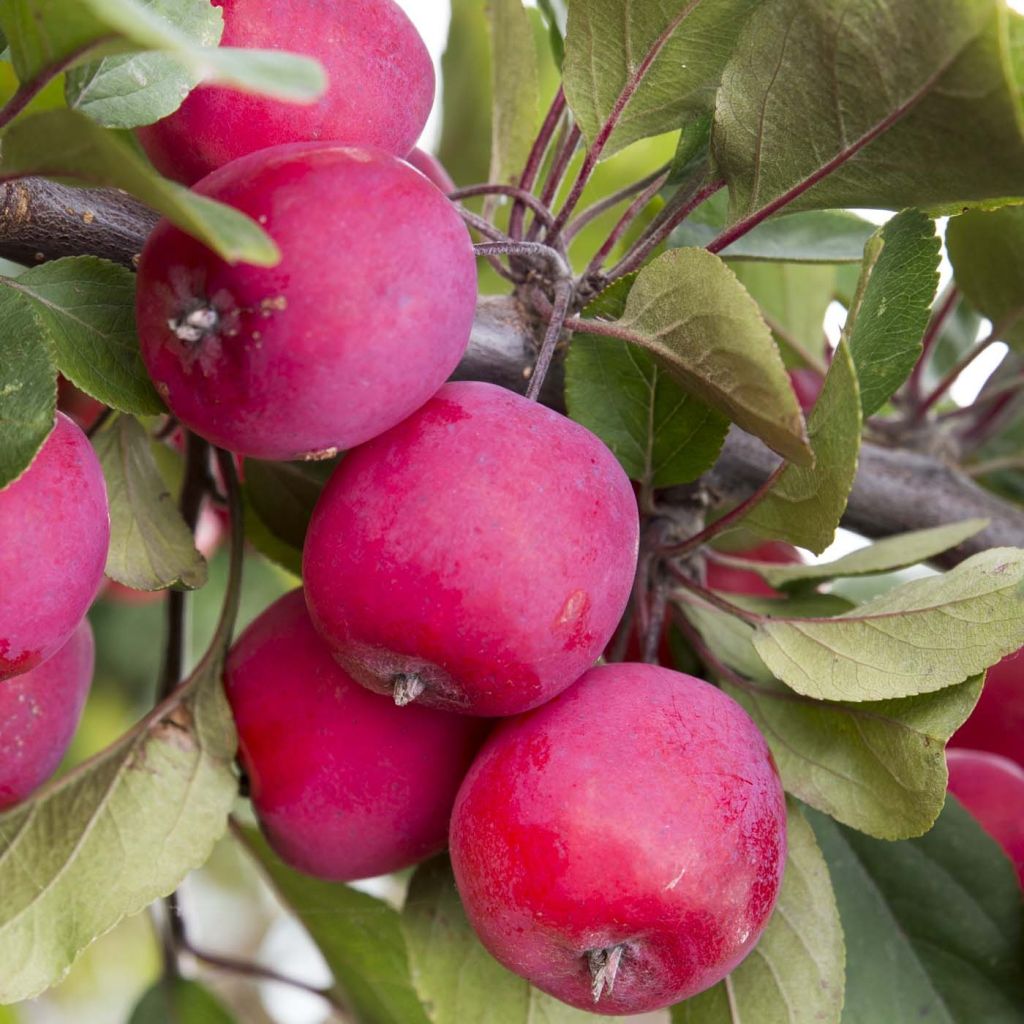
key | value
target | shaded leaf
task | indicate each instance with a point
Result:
(87, 306)
(358, 935)
(816, 236)
(48, 34)
(986, 248)
(115, 834)
(796, 972)
(28, 387)
(134, 89)
(689, 311)
(284, 494)
(554, 17)
(805, 505)
(654, 65)
(515, 86)
(91, 154)
(933, 925)
(920, 108)
(458, 981)
(917, 638)
(150, 546)
(891, 553)
(893, 305)
(179, 1001)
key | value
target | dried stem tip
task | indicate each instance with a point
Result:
(604, 966)
(408, 686)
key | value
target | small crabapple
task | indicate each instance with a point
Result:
(476, 557)
(733, 580)
(622, 846)
(39, 711)
(380, 86)
(344, 783)
(997, 722)
(365, 316)
(55, 530)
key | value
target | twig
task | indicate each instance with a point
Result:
(592, 212)
(563, 296)
(535, 158)
(713, 599)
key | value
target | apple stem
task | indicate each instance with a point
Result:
(408, 686)
(604, 966)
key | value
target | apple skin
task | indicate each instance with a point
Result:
(807, 385)
(730, 580)
(997, 722)
(363, 319)
(345, 784)
(380, 89)
(428, 165)
(640, 807)
(39, 712)
(486, 545)
(991, 787)
(55, 530)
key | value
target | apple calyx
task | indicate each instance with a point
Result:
(196, 324)
(408, 686)
(604, 966)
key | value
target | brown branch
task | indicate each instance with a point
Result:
(896, 490)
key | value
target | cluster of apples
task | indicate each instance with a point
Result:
(619, 835)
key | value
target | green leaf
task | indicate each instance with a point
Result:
(358, 935)
(150, 546)
(805, 505)
(796, 972)
(515, 85)
(893, 305)
(917, 638)
(466, 99)
(115, 834)
(91, 154)
(554, 13)
(883, 104)
(817, 236)
(267, 543)
(986, 249)
(645, 68)
(130, 90)
(661, 435)
(179, 1001)
(28, 387)
(689, 311)
(933, 925)
(877, 766)
(457, 979)
(51, 34)
(887, 555)
(87, 307)
(284, 494)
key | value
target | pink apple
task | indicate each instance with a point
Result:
(731, 580)
(634, 825)
(345, 784)
(428, 164)
(39, 712)
(365, 316)
(997, 723)
(477, 556)
(55, 530)
(380, 91)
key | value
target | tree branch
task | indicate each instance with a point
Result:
(896, 489)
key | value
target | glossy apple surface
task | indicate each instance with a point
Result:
(485, 546)
(639, 810)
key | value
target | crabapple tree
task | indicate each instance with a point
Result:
(528, 447)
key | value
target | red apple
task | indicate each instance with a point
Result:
(622, 847)
(732, 580)
(477, 556)
(991, 787)
(428, 164)
(345, 784)
(997, 723)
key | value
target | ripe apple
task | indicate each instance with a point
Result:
(622, 847)
(991, 787)
(345, 784)
(997, 723)
(731, 580)
(476, 557)
(55, 530)
(380, 90)
(365, 316)
(807, 386)
(428, 164)
(39, 712)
